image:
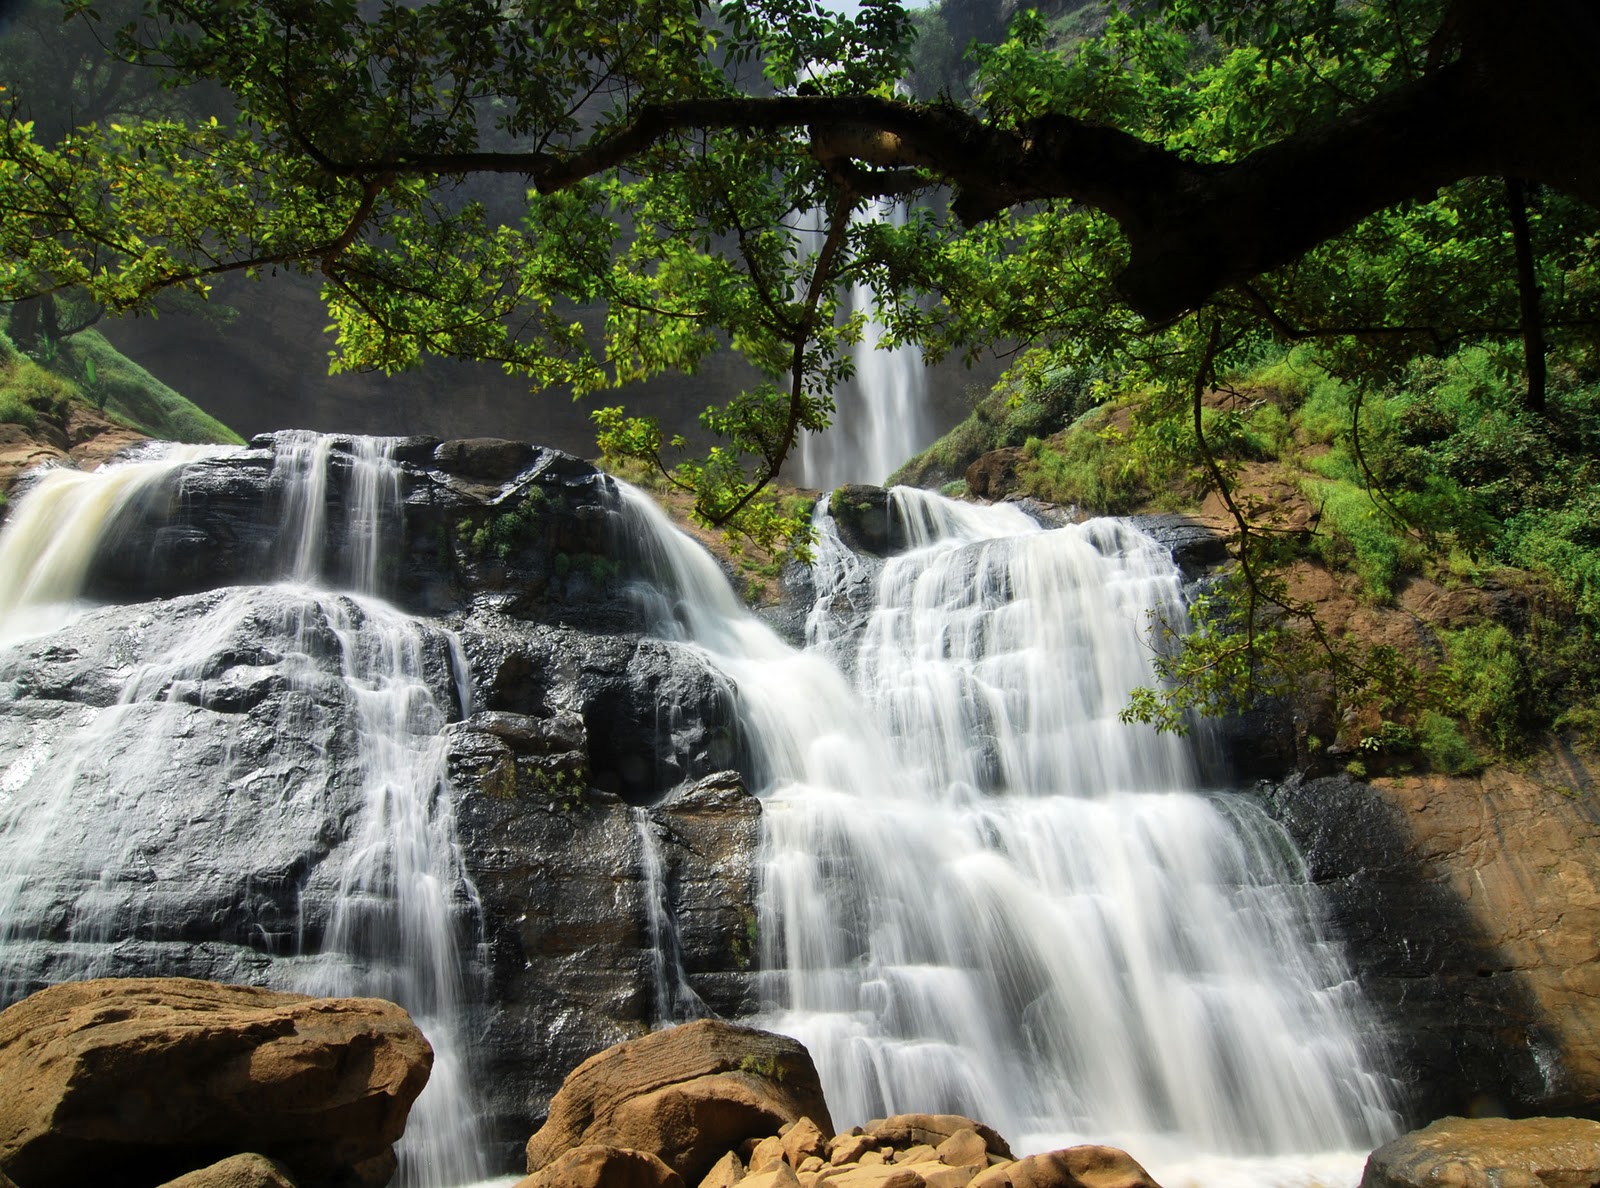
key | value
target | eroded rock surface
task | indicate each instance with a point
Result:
(687, 1095)
(134, 1081)
(1471, 911)
(1490, 1153)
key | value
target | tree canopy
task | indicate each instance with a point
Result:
(1200, 176)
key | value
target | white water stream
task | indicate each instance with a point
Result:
(983, 893)
(881, 414)
(391, 925)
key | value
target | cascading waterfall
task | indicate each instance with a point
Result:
(983, 893)
(880, 417)
(56, 530)
(389, 920)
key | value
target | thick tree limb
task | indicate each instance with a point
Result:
(1521, 98)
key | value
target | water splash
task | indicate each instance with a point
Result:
(58, 527)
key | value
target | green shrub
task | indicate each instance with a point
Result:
(1488, 685)
(1096, 471)
(14, 410)
(1358, 535)
(1444, 747)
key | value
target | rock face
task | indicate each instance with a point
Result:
(604, 1167)
(134, 1081)
(1471, 910)
(687, 1095)
(208, 810)
(1490, 1153)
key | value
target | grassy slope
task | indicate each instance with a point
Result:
(89, 369)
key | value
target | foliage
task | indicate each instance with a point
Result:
(504, 533)
(668, 186)
(29, 391)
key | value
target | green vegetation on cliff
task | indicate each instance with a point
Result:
(85, 367)
(1439, 478)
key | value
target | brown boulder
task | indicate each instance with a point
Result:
(237, 1171)
(994, 475)
(603, 1167)
(1071, 1167)
(903, 1130)
(133, 1081)
(1490, 1153)
(687, 1095)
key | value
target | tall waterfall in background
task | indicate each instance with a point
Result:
(388, 921)
(881, 417)
(984, 894)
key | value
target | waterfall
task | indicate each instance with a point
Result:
(983, 893)
(56, 530)
(386, 912)
(673, 999)
(880, 417)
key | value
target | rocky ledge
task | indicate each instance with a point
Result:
(138, 1081)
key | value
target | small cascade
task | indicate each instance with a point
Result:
(983, 893)
(881, 417)
(672, 998)
(385, 910)
(56, 530)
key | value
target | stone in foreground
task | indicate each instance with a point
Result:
(603, 1167)
(1490, 1153)
(687, 1095)
(137, 1081)
(1072, 1167)
(237, 1171)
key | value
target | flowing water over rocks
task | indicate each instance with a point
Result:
(982, 893)
(465, 725)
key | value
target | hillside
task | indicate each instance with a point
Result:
(1446, 547)
(85, 401)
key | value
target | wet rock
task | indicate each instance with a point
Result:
(688, 1095)
(711, 832)
(657, 715)
(1194, 547)
(1490, 1153)
(865, 519)
(136, 1080)
(489, 459)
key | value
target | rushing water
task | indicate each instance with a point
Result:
(983, 893)
(390, 925)
(881, 414)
